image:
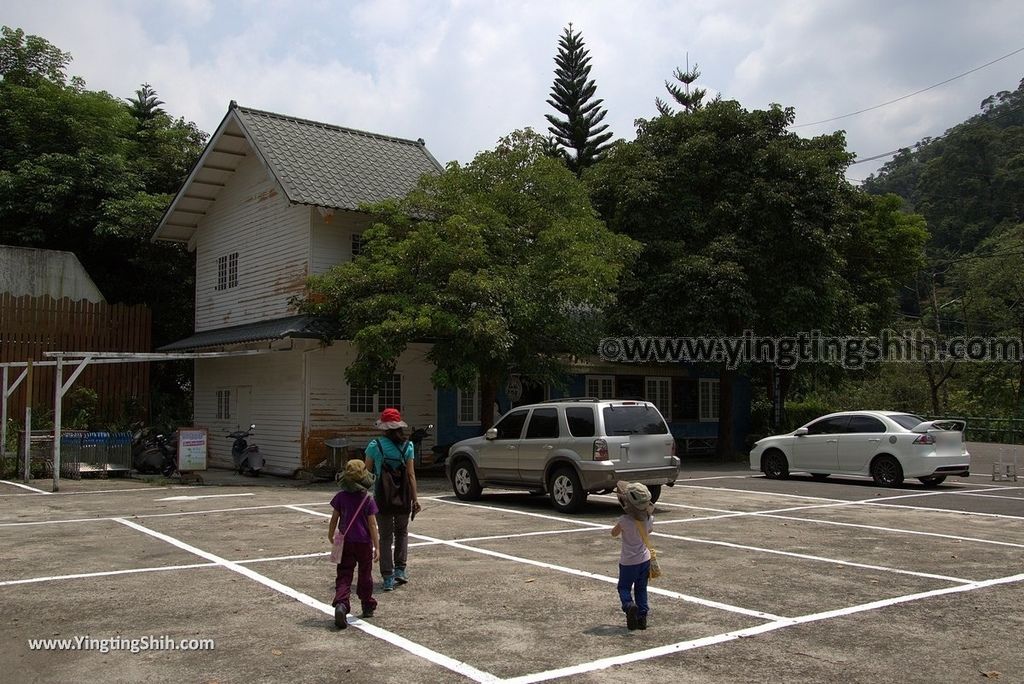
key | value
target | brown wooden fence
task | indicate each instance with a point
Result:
(30, 326)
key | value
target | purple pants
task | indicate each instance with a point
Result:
(352, 553)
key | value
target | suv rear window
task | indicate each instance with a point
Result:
(633, 420)
(581, 421)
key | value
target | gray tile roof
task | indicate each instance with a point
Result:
(331, 166)
(292, 326)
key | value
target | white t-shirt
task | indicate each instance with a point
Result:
(634, 551)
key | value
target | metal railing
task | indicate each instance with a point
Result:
(997, 430)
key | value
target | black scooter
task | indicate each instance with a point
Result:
(155, 455)
(246, 456)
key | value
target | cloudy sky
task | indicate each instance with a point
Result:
(462, 73)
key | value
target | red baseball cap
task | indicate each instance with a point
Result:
(390, 419)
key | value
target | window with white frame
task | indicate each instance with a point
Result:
(601, 386)
(357, 244)
(469, 406)
(365, 400)
(659, 392)
(709, 394)
(227, 271)
(223, 404)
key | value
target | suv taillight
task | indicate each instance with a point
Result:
(925, 439)
(600, 450)
(674, 453)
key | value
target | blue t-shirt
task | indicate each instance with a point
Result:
(391, 453)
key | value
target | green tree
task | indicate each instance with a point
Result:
(145, 106)
(500, 269)
(689, 100)
(743, 225)
(25, 60)
(572, 95)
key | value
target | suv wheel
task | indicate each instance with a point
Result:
(567, 493)
(464, 481)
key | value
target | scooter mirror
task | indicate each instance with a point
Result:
(253, 426)
(430, 426)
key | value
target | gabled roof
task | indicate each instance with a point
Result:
(308, 327)
(312, 163)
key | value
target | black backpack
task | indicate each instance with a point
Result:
(392, 490)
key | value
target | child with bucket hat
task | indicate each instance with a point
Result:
(354, 517)
(636, 523)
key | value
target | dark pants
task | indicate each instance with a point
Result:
(352, 553)
(633, 586)
(394, 529)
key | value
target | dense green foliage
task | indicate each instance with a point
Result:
(500, 269)
(85, 172)
(572, 94)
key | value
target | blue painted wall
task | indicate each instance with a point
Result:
(449, 431)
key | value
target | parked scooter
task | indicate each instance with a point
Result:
(246, 456)
(416, 437)
(154, 455)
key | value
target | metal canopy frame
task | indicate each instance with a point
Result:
(77, 362)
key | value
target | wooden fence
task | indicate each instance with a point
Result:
(30, 326)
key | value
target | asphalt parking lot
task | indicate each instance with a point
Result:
(792, 580)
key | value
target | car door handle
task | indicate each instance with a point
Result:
(549, 446)
(831, 441)
(511, 447)
(875, 439)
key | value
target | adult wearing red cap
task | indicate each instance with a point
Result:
(391, 458)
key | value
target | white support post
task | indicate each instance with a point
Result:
(58, 400)
(3, 417)
(28, 422)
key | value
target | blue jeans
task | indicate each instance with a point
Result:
(633, 586)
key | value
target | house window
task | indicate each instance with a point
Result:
(659, 393)
(227, 271)
(709, 394)
(223, 404)
(357, 244)
(365, 400)
(469, 406)
(601, 386)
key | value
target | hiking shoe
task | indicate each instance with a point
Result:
(367, 613)
(641, 622)
(389, 583)
(400, 577)
(631, 617)
(340, 621)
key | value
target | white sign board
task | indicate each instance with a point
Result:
(192, 449)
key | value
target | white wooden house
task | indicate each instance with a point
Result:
(273, 200)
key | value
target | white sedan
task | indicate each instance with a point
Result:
(885, 445)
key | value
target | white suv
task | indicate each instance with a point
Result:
(568, 448)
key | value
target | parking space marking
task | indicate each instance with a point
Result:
(154, 515)
(821, 559)
(986, 495)
(107, 573)
(512, 510)
(24, 486)
(394, 639)
(681, 646)
(108, 491)
(603, 578)
(515, 535)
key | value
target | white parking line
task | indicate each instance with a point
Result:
(24, 486)
(835, 561)
(681, 646)
(985, 495)
(401, 642)
(512, 510)
(109, 491)
(107, 573)
(603, 578)
(153, 515)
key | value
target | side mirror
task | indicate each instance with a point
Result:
(430, 426)
(491, 434)
(800, 432)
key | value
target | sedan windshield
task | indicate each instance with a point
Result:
(907, 420)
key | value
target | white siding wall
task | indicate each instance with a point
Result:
(329, 395)
(275, 405)
(251, 217)
(332, 238)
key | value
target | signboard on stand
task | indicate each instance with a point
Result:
(192, 444)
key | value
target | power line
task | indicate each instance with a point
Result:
(917, 92)
(958, 127)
